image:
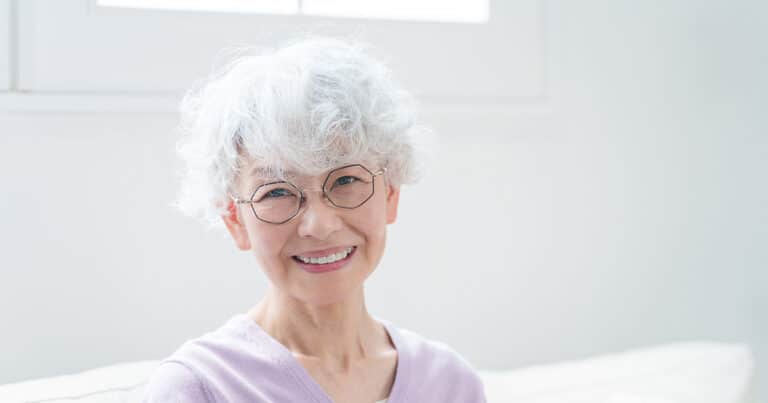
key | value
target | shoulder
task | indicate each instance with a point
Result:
(224, 349)
(435, 354)
(175, 382)
(211, 367)
(435, 362)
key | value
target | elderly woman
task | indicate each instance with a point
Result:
(300, 152)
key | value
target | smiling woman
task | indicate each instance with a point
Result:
(300, 152)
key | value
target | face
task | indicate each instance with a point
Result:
(290, 253)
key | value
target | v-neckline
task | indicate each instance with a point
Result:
(285, 358)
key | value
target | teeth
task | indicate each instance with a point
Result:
(327, 259)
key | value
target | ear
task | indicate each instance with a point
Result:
(393, 198)
(236, 227)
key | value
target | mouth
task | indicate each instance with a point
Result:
(327, 262)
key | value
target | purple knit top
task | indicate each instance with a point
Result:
(240, 362)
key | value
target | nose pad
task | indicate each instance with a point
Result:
(318, 218)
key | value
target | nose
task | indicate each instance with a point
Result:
(318, 218)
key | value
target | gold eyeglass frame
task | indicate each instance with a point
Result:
(303, 196)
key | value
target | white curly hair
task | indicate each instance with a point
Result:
(308, 106)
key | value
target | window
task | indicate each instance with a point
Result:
(461, 11)
(235, 6)
(85, 47)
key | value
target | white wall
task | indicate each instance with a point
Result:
(625, 207)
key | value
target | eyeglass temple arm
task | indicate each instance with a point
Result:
(237, 200)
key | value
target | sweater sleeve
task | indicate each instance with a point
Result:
(478, 390)
(173, 382)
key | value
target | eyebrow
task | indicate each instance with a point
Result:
(265, 173)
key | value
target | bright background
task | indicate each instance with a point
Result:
(598, 185)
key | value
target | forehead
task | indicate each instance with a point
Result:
(259, 170)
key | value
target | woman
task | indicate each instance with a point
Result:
(300, 152)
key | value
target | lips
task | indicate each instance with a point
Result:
(323, 252)
(317, 267)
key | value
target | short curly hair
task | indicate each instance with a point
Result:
(308, 106)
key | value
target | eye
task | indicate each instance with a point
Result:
(273, 193)
(346, 180)
(278, 193)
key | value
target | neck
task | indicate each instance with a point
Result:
(337, 334)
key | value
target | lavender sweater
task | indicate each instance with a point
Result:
(240, 362)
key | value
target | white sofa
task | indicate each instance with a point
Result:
(691, 372)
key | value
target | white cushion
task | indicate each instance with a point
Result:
(691, 372)
(115, 383)
(694, 372)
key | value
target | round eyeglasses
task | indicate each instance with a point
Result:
(346, 187)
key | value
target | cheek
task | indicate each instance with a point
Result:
(268, 243)
(374, 225)
(375, 238)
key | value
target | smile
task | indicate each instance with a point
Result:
(329, 262)
(334, 257)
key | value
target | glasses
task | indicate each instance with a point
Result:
(347, 187)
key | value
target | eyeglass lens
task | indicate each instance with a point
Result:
(346, 187)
